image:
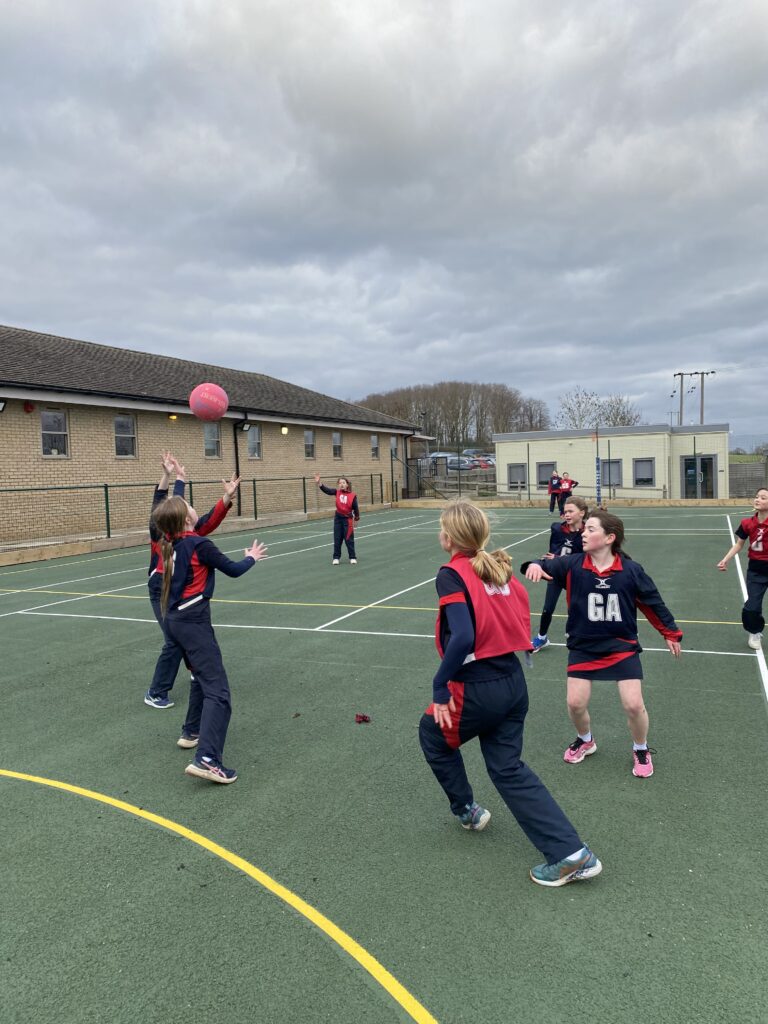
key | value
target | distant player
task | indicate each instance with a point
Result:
(564, 539)
(553, 489)
(347, 514)
(479, 690)
(566, 489)
(754, 529)
(605, 588)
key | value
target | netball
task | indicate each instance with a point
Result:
(208, 401)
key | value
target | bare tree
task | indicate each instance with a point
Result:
(583, 410)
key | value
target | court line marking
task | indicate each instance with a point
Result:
(742, 582)
(341, 632)
(414, 587)
(369, 963)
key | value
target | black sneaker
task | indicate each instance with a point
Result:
(206, 768)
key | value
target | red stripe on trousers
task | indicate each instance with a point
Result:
(451, 736)
(606, 662)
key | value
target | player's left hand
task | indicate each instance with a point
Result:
(442, 713)
(675, 647)
(230, 486)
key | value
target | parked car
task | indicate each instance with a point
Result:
(473, 453)
(459, 464)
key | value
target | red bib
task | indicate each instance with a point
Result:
(344, 502)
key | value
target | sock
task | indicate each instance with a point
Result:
(586, 736)
(578, 855)
(541, 636)
(639, 746)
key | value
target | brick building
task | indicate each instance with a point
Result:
(75, 414)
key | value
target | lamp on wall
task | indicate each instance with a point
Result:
(283, 429)
(172, 416)
(2, 404)
(245, 426)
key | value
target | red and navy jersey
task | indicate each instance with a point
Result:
(346, 502)
(563, 540)
(757, 534)
(555, 483)
(566, 486)
(602, 606)
(194, 560)
(205, 524)
(501, 616)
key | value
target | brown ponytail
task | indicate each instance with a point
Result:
(468, 530)
(169, 517)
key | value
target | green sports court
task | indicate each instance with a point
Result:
(331, 883)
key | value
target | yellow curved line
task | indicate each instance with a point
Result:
(391, 985)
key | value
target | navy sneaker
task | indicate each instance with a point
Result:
(187, 740)
(157, 702)
(570, 870)
(207, 768)
(474, 817)
(539, 643)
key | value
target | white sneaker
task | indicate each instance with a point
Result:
(335, 561)
(353, 561)
(755, 641)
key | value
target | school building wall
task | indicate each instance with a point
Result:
(648, 459)
(283, 475)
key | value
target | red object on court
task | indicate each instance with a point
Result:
(362, 718)
(208, 401)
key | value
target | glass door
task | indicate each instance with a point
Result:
(698, 476)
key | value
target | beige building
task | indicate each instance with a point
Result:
(636, 463)
(83, 425)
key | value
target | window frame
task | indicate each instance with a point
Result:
(337, 446)
(57, 454)
(652, 481)
(207, 429)
(520, 485)
(256, 454)
(542, 486)
(309, 443)
(375, 449)
(607, 475)
(133, 436)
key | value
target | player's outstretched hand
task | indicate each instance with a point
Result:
(230, 486)
(256, 551)
(181, 473)
(535, 573)
(722, 565)
(317, 478)
(675, 647)
(442, 713)
(168, 462)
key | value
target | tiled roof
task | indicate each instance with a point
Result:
(47, 362)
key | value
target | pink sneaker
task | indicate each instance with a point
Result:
(578, 750)
(643, 765)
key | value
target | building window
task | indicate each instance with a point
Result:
(374, 446)
(125, 436)
(212, 436)
(393, 445)
(517, 476)
(644, 472)
(309, 444)
(254, 442)
(610, 472)
(544, 471)
(336, 444)
(54, 432)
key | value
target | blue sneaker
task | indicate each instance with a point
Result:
(570, 870)
(207, 768)
(157, 702)
(475, 817)
(539, 643)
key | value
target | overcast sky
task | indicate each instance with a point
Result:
(357, 196)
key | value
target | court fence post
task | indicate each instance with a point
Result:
(304, 488)
(106, 510)
(373, 495)
(255, 506)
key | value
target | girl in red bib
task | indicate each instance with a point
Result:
(479, 690)
(347, 514)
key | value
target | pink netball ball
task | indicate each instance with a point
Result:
(208, 402)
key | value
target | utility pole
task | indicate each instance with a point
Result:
(701, 374)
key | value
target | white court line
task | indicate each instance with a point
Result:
(423, 583)
(760, 656)
(341, 632)
(70, 600)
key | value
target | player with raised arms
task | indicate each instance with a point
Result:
(605, 588)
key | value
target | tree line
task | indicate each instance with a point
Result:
(458, 413)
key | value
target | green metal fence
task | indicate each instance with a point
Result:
(38, 516)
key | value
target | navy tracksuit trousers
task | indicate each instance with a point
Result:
(343, 530)
(171, 654)
(210, 707)
(551, 598)
(495, 711)
(752, 613)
